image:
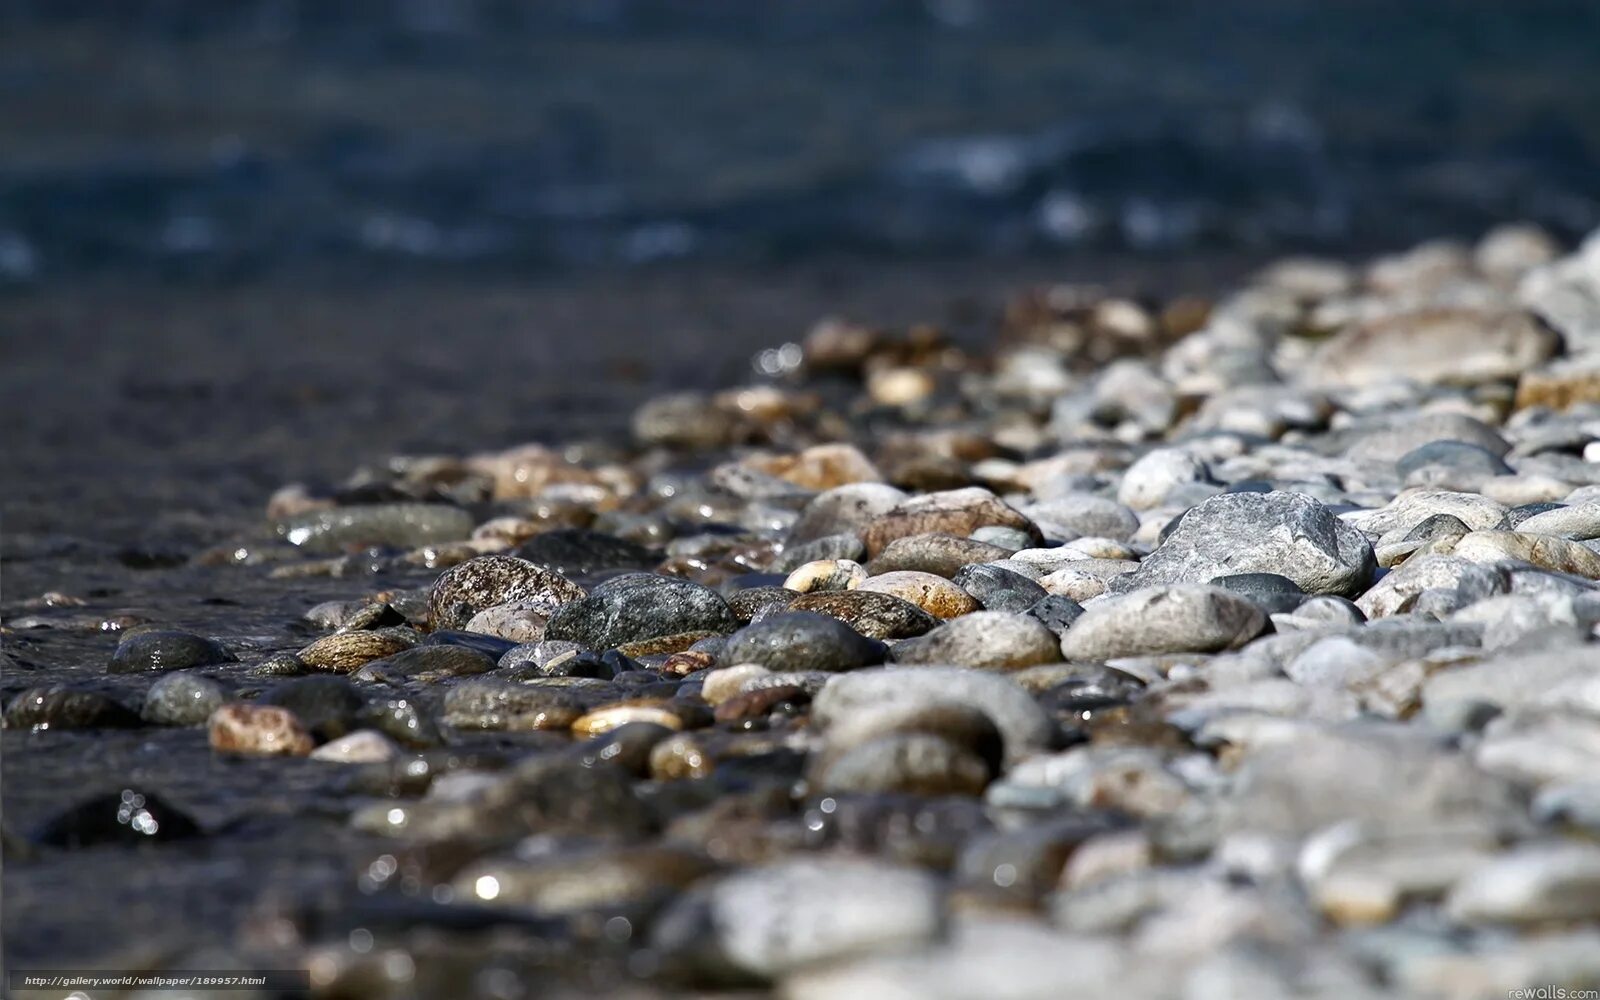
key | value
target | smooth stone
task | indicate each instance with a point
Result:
(844, 510)
(941, 555)
(390, 525)
(637, 607)
(429, 664)
(802, 640)
(489, 581)
(1023, 724)
(491, 703)
(1396, 521)
(1506, 681)
(491, 646)
(517, 621)
(580, 552)
(1074, 584)
(828, 548)
(1285, 533)
(952, 512)
(260, 730)
(754, 603)
(1456, 456)
(1437, 345)
(1388, 444)
(1579, 521)
(1534, 883)
(1517, 515)
(1148, 481)
(165, 649)
(1437, 526)
(1077, 515)
(901, 763)
(1319, 613)
(1010, 539)
(801, 913)
(1056, 612)
(826, 574)
(984, 639)
(1187, 618)
(1274, 593)
(656, 712)
(933, 594)
(999, 589)
(1545, 551)
(182, 699)
(60, 707)
(347, 652)
(364, 746)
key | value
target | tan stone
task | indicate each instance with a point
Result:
(264, 730)
(933, 594)
(1545, 551)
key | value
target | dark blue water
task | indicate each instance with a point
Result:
(196, 140)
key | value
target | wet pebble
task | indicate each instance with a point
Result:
(165, 649)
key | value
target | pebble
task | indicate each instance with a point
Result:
(262, 730)
(391, 525)
(951, 512)
(364, 746)
(1187, 618)
(997, 588)
(516, 621)
(1022, 723)
(580, 552)
(799, 913)
(494, 580)
(1435, 345)
(874, 615)
(825, 574)
(801, 640)
(491, 703)
(1289, 534)
(182, 699)
(428, 664)
(165, 649)
(1149, 481)
(347, 652)
(984, 639)
(637, 607)
(61, 707)
(901, 763)
(933, 594)
(941, 555)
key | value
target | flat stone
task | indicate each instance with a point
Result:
(365, 746)
(1434, 345)
(999, 589)
(1578, 521)
(1391, 443)
(874, 615)
(846, 510)
(939, 554)
(58, 706)
(580, 552)
(346, 652)
(1077, 515)
(516, 621)
(491, 703)
(1545, 551)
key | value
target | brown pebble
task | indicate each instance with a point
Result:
(264, 730)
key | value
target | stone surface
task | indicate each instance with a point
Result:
(989, 639)
(264, 730)
(801, 640)
(1188, 618)
(158, 650)
(952, 512)
(490, 581)
(637, 607)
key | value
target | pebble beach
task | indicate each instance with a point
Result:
(1229, 640)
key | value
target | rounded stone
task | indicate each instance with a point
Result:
(346, 652)
(1188, 618)
(488, 581)
(874, 615)
(901, 763)
(986, 639)
(393, 525)
(261, 730)
(638, 607)
(165, 649)
(61, 707)
(933, 594)
(491, 703)
(801, 640)
(182, 699)
(1274, 593)
(997, 588)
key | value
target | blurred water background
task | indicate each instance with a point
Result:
(210, 141)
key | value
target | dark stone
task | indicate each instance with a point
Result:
(165, 649)
(640, 606)
(1458, 456)
(1517, 515)
(59, 707)
(1276, 594)
(491, 646)
(463, 591)
(1437, 526)
(801, 640)
(327, 705)
(998, 588)
(1056, 611)
(127, 817)
(750, 604)
(578, 552)
(846, 546)
(874, 615)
